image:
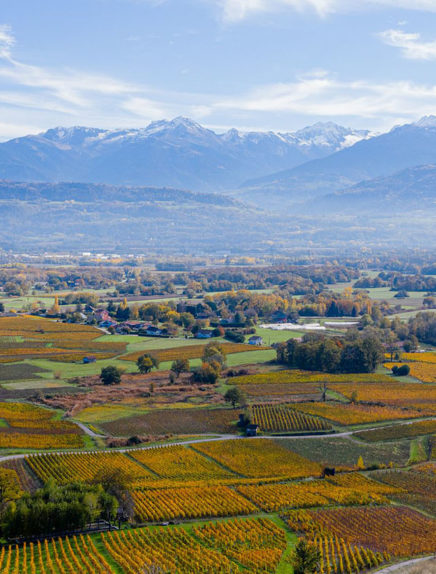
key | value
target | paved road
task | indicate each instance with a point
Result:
(425, 567)
(88, 431)
(207, 438)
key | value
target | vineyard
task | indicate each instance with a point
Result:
(274, 497)
(66, 468)
(351, 414)
(372, 527)
(75, 554)
(426, 357)
(424, 371)
(260, 458)
(338, 556)
(181, 463)
(176, 421)
(399, 431)
(191, 352)
(395, 394)
(194, 502)
(275, 418)
(27, 337)
(410, 481)
(296, 376)
(28, 426)
(281, 391)
(256, 544)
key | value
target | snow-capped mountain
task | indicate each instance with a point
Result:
(178, 153)
(403, 147)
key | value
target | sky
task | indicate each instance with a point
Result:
(247, 64)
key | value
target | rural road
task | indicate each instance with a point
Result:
(412, 563)
(207, 438)
(88, 431)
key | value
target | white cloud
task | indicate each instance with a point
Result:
(7, 40)
(322, 95)
(235, 10)
(37, 97)
(410, 44)
(64, 93)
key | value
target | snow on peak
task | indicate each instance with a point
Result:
(426, 122)
(75, 135)
(329, 134)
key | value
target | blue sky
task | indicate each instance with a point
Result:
(249, 64)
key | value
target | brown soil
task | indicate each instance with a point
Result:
(136, 390)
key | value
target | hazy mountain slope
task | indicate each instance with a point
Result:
(179, 153)
(76, 217)
(409, 190)
(402, 147)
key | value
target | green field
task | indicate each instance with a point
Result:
(345, 451)
(271, 336)
(35, 384)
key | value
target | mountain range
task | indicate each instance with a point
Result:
(177, 186)
(178, 153)
(403, 147)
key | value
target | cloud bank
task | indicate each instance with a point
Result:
(34, 98)
(236, 10)
(411, 45)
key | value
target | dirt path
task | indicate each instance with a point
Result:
(200, 439)
(409, 563)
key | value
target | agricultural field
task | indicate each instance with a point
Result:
(180, 463)
(191, 352)
(344, 452)
(26, 426)
(256, 544)
(394, 394)
(355, 414)
(194, 502)
(282, 392)
(275, 497)
(399, 431)
(74, 554)
(48, 339)
(250, 545)
(290, 386)
(424, 371)
(259, 458)
(212, 502)
(426, 357)
(338, 555)
(176, 421)
(418, 488)
(297, 376)
(372, 527)
(19, 372)
(66, 468)
(283, 418)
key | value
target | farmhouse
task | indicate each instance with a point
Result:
(101, 315)
(203, 334)
(255, 340)
(153, 331)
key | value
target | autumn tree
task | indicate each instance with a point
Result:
(111, 375)
(180, 366)
(146, 363)
(235, 396)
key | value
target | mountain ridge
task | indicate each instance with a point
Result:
(403, 147)
(178, 153)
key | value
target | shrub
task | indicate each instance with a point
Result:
(402, 371)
